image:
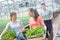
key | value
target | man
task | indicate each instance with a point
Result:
(47, 17)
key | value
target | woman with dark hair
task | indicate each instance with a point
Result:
(35, 20)
(16, 26)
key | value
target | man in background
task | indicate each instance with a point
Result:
(47, 17)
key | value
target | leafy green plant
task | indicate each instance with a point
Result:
(9, 35)
(36, 31)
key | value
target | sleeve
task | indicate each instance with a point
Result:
(40, 20)
(50, 12)
(8, 25)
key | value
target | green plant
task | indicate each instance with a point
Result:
(9, 35)
(36, 31)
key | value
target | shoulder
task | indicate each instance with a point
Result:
(8, 24)
(39, 17)
(19, 21)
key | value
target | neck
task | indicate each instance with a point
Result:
(14, 21)
(44, 9)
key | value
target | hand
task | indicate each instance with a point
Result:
(0, 37)
(45, 28)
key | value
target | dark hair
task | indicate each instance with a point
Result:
(12, 14)
(42, 3)
(35, 13)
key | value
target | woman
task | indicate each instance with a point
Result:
(35, 20)
(16, 26)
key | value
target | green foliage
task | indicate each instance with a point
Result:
(9, 35)
(46, 16)
(36, 31)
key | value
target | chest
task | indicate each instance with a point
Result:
(34, 22)
(15, 26)
(45, 13)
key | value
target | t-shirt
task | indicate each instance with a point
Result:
(46, 15)
(34, 23)
(15, 27)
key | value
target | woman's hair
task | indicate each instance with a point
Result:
(35, 13)
(43, 4)
(12, 14)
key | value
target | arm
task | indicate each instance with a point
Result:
(30, 27)
(42, 22)
(23, 29)
(51, 15)
(43, 25)
(4, 31)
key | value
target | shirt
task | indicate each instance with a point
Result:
(34, 23)
(46, 15)
(15, 27)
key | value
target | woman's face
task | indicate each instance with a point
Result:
(14, 17)
(31, 14)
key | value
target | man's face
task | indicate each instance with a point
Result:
(43, 7)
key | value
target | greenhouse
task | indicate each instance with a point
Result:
(21, 7)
